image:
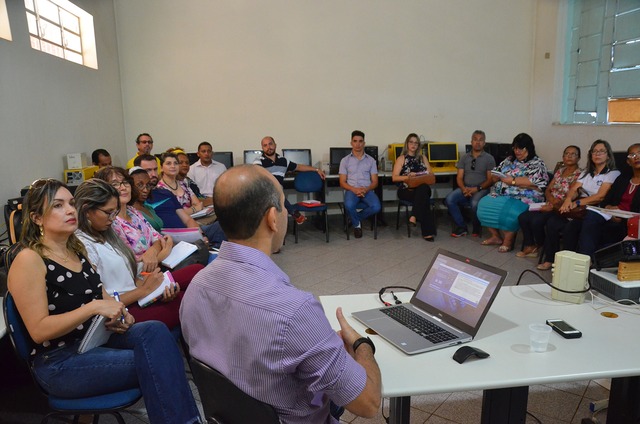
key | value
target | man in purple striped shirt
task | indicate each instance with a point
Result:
(243, 317)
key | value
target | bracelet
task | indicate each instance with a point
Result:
(365, 340)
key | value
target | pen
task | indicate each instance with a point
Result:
(116, 296)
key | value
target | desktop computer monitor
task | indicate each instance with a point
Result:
(395, 150)
(442, 152)
(250, 156)
(225, 158)
(299, 156)
(193, 158)
(335, 156)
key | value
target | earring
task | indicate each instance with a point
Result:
(41, 231)
(89, 222)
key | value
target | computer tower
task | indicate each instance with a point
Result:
(372, 151)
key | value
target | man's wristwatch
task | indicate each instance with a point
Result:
(366, 340)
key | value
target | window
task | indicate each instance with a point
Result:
(5, 29)
(602, 79)
(62, 29)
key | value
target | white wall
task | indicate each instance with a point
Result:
(547, 91)
(308, 72)
(50, 107)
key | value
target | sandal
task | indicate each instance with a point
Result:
(429, 238)
(528, 252)
(491, 242)
(545, 266)
(504, 249)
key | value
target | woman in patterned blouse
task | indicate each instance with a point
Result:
(519, 180)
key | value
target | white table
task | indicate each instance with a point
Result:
(609, 348)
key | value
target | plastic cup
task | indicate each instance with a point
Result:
(539, 337)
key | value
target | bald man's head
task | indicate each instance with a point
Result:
(242, 196)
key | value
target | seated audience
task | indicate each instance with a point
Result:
(283, 353)
(179, 189)
(205, 171)
(411, 162)
(599, 231)
(522, 181)
(473, 180)
(101, 158)
(359, 178)
(98, 204)
(278, 166)
(57, 293)
(144, 144)
(533, 223)
(149, 164)
(140, 192)
(590, 188)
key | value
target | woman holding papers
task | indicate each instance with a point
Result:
(410, 164)
(98, 204)
(58, 293)
(532, 222)
(590, 188)
(600, 229)
(519, 180)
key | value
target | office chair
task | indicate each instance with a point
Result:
(224, 403)
(110, 403)
(347, 221)
(310, 182)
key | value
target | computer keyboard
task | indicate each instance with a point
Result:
(418, 324)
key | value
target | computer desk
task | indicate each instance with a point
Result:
(609, 348)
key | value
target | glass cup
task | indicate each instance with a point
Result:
(539, 337)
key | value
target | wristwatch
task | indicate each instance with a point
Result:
(578, 203)
(513, 182)
(366, 340)
(479, 187)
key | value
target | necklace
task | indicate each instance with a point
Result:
(172, 188)
(632, 186)
(63, 259)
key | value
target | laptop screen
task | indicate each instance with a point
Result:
(458, 289)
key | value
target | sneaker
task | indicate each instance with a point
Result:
(459, 232)
(300, 219)
(357, 232)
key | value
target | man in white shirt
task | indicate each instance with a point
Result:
(206, 171)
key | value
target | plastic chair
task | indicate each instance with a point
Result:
(224, 403)
(347, 221)
(110, 403)
(310, 183)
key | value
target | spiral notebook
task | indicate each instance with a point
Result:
(96, 335)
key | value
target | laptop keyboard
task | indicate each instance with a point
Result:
(418, 324)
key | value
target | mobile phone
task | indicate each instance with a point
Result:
(565, 330)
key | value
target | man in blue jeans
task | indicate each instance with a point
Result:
(359, 177)
(473, 180)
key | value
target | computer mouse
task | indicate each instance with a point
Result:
(465, 352)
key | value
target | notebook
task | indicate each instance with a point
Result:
(455, 295)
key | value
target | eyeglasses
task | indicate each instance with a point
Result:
(144, 187)
(111, 215)
(41, 182)
(473, 164)
(118, 184)
(570, 155)
(598, 152)
(633, 155)
(519, 148)
(413, 142)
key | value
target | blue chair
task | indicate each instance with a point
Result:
(109, 404)
(347, 221)
(310, 183)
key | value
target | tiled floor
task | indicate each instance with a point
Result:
(364, 266)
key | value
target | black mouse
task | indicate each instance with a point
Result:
(465, 352)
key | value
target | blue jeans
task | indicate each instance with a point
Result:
(370, 201)
(146, 355)
(455, 201)
(214, 233)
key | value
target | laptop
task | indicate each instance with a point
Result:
(446, 309)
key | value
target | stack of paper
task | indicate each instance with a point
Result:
(156, 295)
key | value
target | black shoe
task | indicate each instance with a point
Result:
(357, 232)
(459, 232)
(477, 231)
